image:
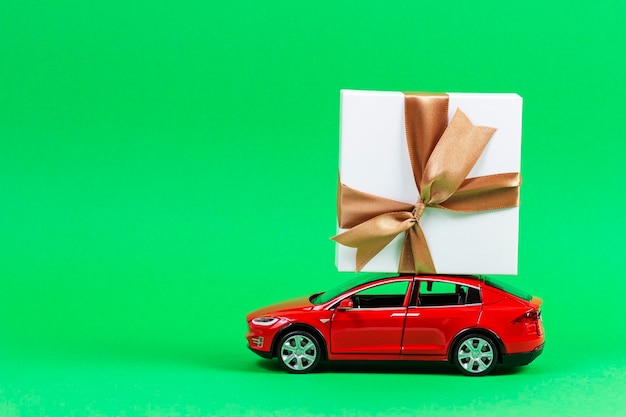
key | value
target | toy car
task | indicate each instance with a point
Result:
(472, 322)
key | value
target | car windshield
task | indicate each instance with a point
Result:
(504, 286)
(340, 289)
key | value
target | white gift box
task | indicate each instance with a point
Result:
(374, 159)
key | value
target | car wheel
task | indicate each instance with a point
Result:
(299, 352)
(475, 355)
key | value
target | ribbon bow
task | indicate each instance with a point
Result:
(442, 155)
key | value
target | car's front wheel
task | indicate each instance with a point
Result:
(299, 352)
(475, 355)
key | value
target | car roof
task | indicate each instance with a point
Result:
(364, 281)
(462, 279)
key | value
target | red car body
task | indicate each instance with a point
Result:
(470, 321)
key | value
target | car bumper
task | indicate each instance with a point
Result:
(266, 355)
(521, 359)
(260, 339)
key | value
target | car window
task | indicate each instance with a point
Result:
(343, 287)
(505, 286)
(382, 296)
(436, 293)
(473, 296)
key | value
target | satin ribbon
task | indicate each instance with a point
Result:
(441, 156)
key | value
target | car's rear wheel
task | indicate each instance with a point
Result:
(475, 355)
(299, 352)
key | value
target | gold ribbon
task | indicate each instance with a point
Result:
(441, 156)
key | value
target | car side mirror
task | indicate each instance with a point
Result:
(345, 304)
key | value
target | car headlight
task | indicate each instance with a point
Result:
(264, 321)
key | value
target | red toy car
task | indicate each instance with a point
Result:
(469, 321)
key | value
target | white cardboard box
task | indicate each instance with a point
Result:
(374, 159)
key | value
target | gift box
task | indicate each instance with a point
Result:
(429, 183)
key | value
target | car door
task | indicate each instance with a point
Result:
(375, 323)
(438, 311)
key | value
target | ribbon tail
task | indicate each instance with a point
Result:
(489, 192)
(365, 252)
(415, 257)
(372, 236)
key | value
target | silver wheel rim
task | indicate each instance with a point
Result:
(298, 352)
(475, 355)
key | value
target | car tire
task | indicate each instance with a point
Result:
(475, 355)
(299, 352)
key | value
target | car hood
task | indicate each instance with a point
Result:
(296, 304)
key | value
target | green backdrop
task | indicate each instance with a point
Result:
(166, 167)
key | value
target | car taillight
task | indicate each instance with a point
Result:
(531, 321)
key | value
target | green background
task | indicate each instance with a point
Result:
(166, 167)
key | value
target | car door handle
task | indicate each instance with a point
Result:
(405, 314)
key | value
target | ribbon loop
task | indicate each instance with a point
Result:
(455, 154)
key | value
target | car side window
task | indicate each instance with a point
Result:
(435, 293)
(387, 295)
(473, 296)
